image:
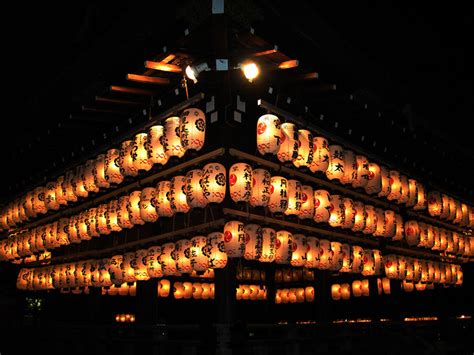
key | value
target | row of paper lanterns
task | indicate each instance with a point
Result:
(251, 292)
(188, 290)
(293, 275)
(418, 270)
(428, 236)
(156, 146)
(253, 242)
(343, 291)
(294, 295)
(300, 147)
(195, 189)
(125, 318)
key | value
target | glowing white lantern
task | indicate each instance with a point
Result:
(134, 207)
(127, 168)
(234, 239)
(116, 272)
(192, 129)
(79, 182)
(50, 197)
(214, 182)
(188, 290)
(374, 183)
(320, 155)
(182, 255)
(350, 167)
(420, 203)
(39, 205)
(298, 255)
(325, 254)
(412, 233)
(268, 134)
(305, 149)
(322, 206)
(197, 290)
(357, 288)
(357, 259)
(261, 187)
(288, 150)
(166, 260)
(101, 216)
(309, 293)
(349, 213)
(284, 247)
(89, 177)
(99, 166)
(337, 216)
(399, 229)
(178, 290)
(380, 229)
(218, 256)
(112, 216)
(307, 202)
(404, 189)
(147, 205)
(153, 265)
(198, 254)
(129, 260)
(253, 241)
(370, 221)
(278, 202)
(360, 217)
(82, 222)
(113, 173)
(164, 287)
(362, 173)
(172, 139)
(163, 196)
(140, 154)
(155, 147)
(395, 186)
(335, 256)
(385, 181)
(240, 182)
(336, 163)
(123, 216)
(294, 197)
(346, 257)
(178, 200)
(194, 191)
(336, 292)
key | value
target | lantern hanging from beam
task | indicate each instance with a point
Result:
(116, 272)
(139, 153)
(166, 259)
(155, 147)
(127, 168)
(178, 201)
(172, 139)
(362, 173)
(218, 256)
(240, 182)
(420, 203)
(298, 255)
(346, 257)
(412, 233)
(214, 182)
(335, 169)
(399, 229)
(288, 150)
(153, 265)
(349, 213)
(322, 206)
(192, 129)
(194, 191)
(374, 184)
(188, 290)
(164, 287)
(350, 167)
(380, 229)
(385, 182)
(79, 182)
(82, 221)
(336, 292)
(182, 256)
(312, 252)
(294, 198)
(253, 241)
(134, 208)
(99, 171)
(39, 205)
(123, 216)
(112, 216)
(178, 290)
(320, 155)
(335, 256)
(129, 260)
(370, 221)
(404, 189)
(234, 239)
(307, 202)
(197, 291)
(395, 186)
(268, 252)
(147, 205)
(198, 253)
(284, 247)
(163, 199)
(357, 288)
(278, 202)
(360, 217)
(140, 265)
(411, 193)
(90, 183)
(305, 149)
(337, 215)
(50, 196)
(113, 173)
(268, 134)
(102, 226)
(261, 187)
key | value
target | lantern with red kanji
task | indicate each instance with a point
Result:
(268, 134)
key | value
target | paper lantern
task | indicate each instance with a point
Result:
(147, 205)
(349, 213)
(163, 199)
(153, 265)
(465, 215)
(182, 256)
(365, 287)
(370, 221)
(268, 134)
(112, 170)
(322, 206)
(278, 202)
(112, 216)
(164, 288)
(399, 229)
(89, 177)
(284, 247)
(391, 266)
(288, 150)
(380, 229)
(395, 186)
(240, 182)
(325, 254)
(193, 189)
(187, 290)
(192, 129)
(362, 172)
(320, 155)
(102, 225)
(312, 252)
(412, 233)
(385, 182)
(346, 258)
(199, 256)
(298, 255)
(123, 290)
(39, 205)
(335, 170)
(234, 239)
(386, 285)
(337, 215)
(29, 210)
(155, 147)
(140, 265)
(357, 288)
(197, 291)
(134, 208)
(307, 202)
(172, 139)
(404, 189)
(261, 187)
(305, 149)
(408, 286)
(420, 202)
(81, 224)
(51, 235)
(217, 254)
(374, 183)
(268, 247)
(309, 293)
(345, 291)
(335, 256)
(178, 290)
(166, 260)
(123, 216)
(299, 293)
(213, 182)
(50, 196)
(79, 182)
(116, 272)
(99, 167)
(360, 217)
(129, 260)
(350, 167)
(458, 214)
(253, 241)
(336, 292)
(139, 153)
(126, 163)
(294, 197)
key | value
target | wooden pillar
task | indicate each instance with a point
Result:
(225, 284)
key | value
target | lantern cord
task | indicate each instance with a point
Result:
(184, 84)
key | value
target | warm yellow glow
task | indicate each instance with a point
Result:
(251, 71)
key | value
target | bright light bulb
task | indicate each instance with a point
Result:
(190, 73)
(251, 71)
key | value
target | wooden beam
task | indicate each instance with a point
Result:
(117, 101)
(289, 64)
(168, 58)
(148, 79)
(309, 76)
(134, 91)
(101, 110)
(163, 66)
(266, 52)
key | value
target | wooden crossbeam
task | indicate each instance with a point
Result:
(163, 66)
(148, 79)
